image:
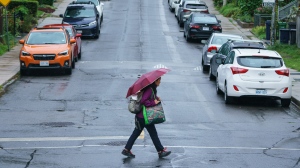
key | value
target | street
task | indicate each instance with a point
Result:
(82, 120)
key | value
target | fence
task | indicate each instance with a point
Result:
(260, 19)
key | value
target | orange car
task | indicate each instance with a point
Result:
(47, 48)
(73, 34)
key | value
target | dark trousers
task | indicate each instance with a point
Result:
(139, 126)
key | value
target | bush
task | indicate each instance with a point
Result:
(259, 31)
(229, 10)
(246, 18)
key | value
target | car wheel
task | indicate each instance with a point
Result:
(285, 102)
(217, 86)
(204, 67)
(228, 99)
(76, 58)
(101, 20)
(211, 76)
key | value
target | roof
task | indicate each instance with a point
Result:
(257, 52)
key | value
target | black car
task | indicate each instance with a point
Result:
(84, 17)
(201, 26)
(223, 51)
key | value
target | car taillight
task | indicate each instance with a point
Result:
(284, 72)
(212, 48)
(235, 88)
(194, 26)
(186, 10)
(216, 27)
(205, 11)
(237, 70)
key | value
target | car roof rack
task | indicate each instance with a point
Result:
(43, 28)
(243, 40)
(82, 2)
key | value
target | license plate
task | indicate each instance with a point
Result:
(79, 31)
(261, 91)
(44, 63)
(206, 28)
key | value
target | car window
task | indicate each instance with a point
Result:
(223, 49)
(205, 19)
(195, 6)
(229, 59)
(96, 2)
(260, 62)
(80, 12)
(46, 38)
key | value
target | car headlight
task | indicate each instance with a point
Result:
(64, 52)
(92, 23)
(24, 53)
(65, 23)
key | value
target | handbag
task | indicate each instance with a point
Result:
(154, 114)
(134, 105)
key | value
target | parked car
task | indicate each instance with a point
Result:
(84, 17)
(212, 45)
(99, 5)
(179, 7)
(191, 7)
(201, 26)
(47, 48)
(223, 51)
(172, 4)
(73, 35)
(254, 73)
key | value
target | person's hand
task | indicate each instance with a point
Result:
(156, 101)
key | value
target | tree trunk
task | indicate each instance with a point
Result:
(1, 24)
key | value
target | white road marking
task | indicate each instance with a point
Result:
(187, 147)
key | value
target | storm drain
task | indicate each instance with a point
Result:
(115, 143)
(57, 124)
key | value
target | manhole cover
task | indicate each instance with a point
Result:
(57, 124)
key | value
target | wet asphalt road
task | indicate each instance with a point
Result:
(53, 120)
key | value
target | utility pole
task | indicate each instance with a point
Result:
(1, 23)
(298, 26)
(274, 24)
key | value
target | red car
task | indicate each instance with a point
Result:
(74, 35)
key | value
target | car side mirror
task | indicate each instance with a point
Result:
(72, 41)
(219, 21)
(61, 15)
(180, 5)
(21, 41)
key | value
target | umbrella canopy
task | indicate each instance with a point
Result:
(145, 80)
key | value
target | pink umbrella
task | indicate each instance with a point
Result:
(145, 80)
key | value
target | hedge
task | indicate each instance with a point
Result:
(31, 5)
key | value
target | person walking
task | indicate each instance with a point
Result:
(149, 98)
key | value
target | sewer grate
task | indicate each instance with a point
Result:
(57, 124)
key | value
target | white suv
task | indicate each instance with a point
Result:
(254, 73)
(99, 5)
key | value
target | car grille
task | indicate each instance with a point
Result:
(78, 26)
(44, 56)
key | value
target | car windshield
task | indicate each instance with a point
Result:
(80, 12)
(222, 39)
(205, 19)
(260, 61)
(94, 1)
(46, 38)
(195, 6)
(70, 31)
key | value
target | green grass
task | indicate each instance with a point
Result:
(289, 53)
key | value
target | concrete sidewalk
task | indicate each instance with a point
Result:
(9, 62)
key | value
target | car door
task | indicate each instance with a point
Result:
(186, 25)
(224, 70)
(219, 58)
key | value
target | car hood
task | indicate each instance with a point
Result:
(78, 20)
(44, 49)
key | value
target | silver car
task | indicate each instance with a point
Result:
(212, 45)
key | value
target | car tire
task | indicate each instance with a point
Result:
(76, 58)
(187, 38)
(204, 67)
(211, 76)
(217, 86)
(101, 20)
(285, 102)
(73, 64)
(228, 99)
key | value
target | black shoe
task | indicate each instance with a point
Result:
(164, 153)
(128, 153)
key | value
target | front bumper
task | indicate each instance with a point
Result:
(59, 62)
